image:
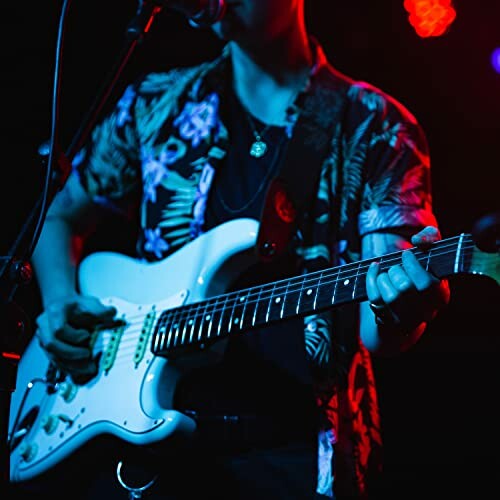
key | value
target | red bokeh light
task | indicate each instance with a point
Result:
(430, 17)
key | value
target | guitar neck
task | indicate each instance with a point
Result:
(203, 322)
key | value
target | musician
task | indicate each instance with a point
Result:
(290, 411)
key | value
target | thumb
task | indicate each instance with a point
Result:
(426, 237)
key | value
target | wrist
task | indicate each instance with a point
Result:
(59, 296)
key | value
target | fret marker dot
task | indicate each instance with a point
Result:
(346, 282)
(278, 300)
(190, 322)
(309, 291)
(207, 317)
(242, 299)
(236, 320)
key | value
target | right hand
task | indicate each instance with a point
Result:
(64, 331)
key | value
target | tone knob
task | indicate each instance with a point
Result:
(49, 423)
(28, 451)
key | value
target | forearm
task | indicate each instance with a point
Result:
(54, 262)
(56, 255)
(387, 340)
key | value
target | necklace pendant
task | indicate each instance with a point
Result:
(258, 149)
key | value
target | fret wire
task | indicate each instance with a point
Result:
(232, 313)
(212, 315)
(336, 281)
(168, 329)
(199, 319)
(221, 319)
(270, 303)
(307, 297)
(458, 256)
(209, 317)
(178, 320)
(317, 291)
(255, 309)
(300, 297)
(158, 332)
(241, 319)
(355, 282)
(171, 328)
(182, 319)
(201, 326)
(193, 324)
(284, 300)
(186, 317)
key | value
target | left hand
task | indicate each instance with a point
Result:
(406, 295)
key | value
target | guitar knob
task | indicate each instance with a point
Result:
(67, 391)
(28, 451)
(49, 423)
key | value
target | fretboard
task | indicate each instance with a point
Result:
(201, 323)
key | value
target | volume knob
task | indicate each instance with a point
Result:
(68, 391)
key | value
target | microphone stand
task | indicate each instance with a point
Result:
(15, 271)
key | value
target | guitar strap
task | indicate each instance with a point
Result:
(291, 194)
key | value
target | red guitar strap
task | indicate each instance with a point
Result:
(277, 222)
(291, 194)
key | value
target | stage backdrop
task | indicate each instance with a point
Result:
(439, 402)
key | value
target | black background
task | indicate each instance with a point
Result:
(439, 401)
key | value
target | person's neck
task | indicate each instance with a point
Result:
(267, 78)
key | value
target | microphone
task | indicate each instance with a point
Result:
(200, 13)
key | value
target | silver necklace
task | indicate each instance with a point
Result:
(262, 185)
(259, 147)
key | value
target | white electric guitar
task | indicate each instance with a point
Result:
(169, 309)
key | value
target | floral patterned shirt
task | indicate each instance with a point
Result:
(166, 139)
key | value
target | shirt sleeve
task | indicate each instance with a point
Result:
(397, 191)
(108, 165)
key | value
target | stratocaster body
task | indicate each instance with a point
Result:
(126, 398)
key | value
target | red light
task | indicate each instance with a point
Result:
(11, 355)
(430, 17)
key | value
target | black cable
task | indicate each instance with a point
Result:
(54, 132)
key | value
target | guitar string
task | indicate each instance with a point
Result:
(338, 273)
(274, 292)
(122, 352)
(311, 279)
(126, 345)
(128, 342)
(327, 273)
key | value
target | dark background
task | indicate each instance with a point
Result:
(439, 401)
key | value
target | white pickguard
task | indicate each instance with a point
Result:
(131, 399)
